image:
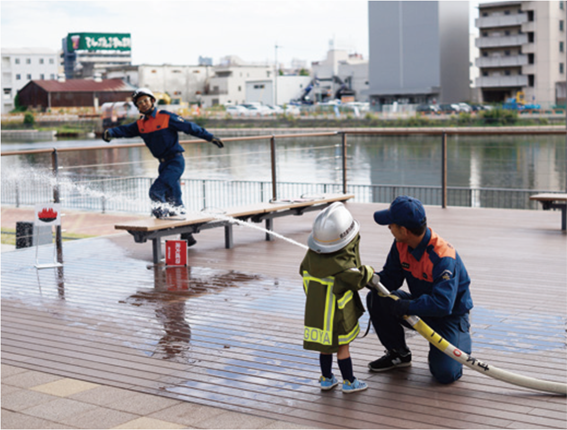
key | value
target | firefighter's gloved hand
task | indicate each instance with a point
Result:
(106, 136)
(398, 307)
(373, 283)
(218, 142)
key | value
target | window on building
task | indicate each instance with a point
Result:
(531, 80)
(28, 76)
(52, 76)
(239, 88)
(561, 5)
(530, 15)
(258, 87)
(506, 12)
(531, 37)
(41, 61)
(485, 54)
(561, 25)
(531, 58)
(18, 77)
(485, 34)
(51, 61)
(507, 32)
(561, 68)
(41, 76)
(485, 73)
(28, 60)
(507, 72)
(507, 52)
(561, 46)
(17, 61)
(484, 14)
(7, 93)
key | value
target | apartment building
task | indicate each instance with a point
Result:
(522, 51)
(20, 66)
(418, 52)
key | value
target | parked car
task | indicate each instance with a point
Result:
(236, 110)
(275, 109)
(292, 110)
(463, 107)
(427, 109)
(449, 108)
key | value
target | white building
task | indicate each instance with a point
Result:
(228, 84)
(337, 70)
(522, 50)
(264, 90)
(19, 66)
(187, 83)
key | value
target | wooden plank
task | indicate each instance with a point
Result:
(103, 316)
(549, 197)
(153, 224)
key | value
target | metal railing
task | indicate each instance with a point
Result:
(119, 194)
(130, 194)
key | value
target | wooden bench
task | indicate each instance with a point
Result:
(554, 201)
(154, 229)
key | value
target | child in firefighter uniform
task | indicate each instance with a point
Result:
(332, 275)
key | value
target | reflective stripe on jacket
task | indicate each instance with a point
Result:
(333, 306)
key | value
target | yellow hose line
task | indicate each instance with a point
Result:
(462, 357)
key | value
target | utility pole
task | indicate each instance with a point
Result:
(276, 76)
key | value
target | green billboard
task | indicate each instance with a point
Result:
(99, 42)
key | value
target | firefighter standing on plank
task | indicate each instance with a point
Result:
(439, 291)
(332, 275)
(160, 132)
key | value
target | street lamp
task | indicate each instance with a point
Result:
(276, 76)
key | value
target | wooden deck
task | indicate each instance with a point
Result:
(227, 331)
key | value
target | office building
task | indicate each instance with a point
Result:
(418, 52)
(522, 51)
(86, 55)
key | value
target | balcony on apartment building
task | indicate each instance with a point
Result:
(502, 81)
(501, 20)
(502, 61)
(501, 41)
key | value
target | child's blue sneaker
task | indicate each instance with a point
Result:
(354, 386)
(328, 383)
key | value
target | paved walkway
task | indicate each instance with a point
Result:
(37, 400)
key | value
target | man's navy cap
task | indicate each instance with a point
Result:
(404, 211)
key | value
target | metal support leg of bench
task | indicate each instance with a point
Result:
(156, 250)
(564, 217)
(269, 227)
(228, 239)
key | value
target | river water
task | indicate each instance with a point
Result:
(519, 162)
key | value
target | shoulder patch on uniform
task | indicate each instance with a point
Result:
(446, 275)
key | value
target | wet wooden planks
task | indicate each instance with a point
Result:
(227, 331)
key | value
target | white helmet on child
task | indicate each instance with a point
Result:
(333, 229)
(142, 92)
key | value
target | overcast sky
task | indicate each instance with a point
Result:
(178, 32)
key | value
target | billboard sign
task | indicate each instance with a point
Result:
(99, 42)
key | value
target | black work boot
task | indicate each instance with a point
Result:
(189, 238)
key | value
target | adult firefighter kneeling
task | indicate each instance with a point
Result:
(332, 275)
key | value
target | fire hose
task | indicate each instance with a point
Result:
(462, 357)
